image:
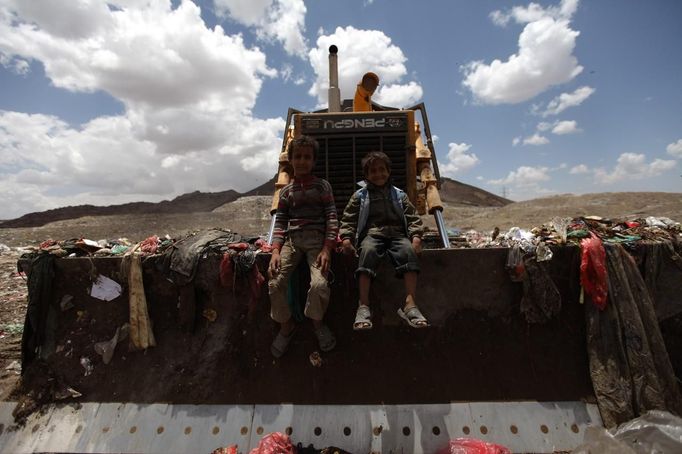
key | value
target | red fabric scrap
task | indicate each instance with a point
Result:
(150, 245)
(47, 243)
(593, 274)
(256, 281)
(238, 246)
(274, 443)
(226, 271)
(263, 245)
(473, 446)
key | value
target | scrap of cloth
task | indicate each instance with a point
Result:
(629, 364)
(38, 323)
(186, 252)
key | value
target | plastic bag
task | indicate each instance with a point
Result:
(654, 432)
(274, 443)
(473, 446)
(561, 227)
(593, 275)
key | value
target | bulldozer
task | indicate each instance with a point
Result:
(480, 372)
(349, 130)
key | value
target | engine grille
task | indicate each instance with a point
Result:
(340, 157)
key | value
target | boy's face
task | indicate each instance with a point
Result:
(302, 160)
(378, 173)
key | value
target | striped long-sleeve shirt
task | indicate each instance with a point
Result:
(307, 203)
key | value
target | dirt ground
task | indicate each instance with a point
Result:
(249, 216)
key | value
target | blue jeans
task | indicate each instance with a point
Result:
(399, 250)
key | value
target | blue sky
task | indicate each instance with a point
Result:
(130, 100)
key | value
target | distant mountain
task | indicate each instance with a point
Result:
(452, 192)
(186, 203)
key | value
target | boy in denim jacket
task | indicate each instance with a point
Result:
(381, 220)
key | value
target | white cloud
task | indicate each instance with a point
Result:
(516, 141)
(565, 127)
(544, 126)
(524, 176)
(633, 166)
(187, 91)
(103, 162)
(399, 95)
(579, 169)
(361, 51)
(280, 20)
(458, 160)
(566, 100)
(675, 149)
(534, 12)
(544, 58)
(536, 139)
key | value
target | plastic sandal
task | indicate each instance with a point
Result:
(326, 338)
(362, 318)
(280, 344)
(413, 317)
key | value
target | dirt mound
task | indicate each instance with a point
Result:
(456, 193)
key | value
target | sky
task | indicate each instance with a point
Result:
(107, 102)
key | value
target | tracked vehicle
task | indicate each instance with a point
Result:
(481, 370)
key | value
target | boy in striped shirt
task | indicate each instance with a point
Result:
(306, 225)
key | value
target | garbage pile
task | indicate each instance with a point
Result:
(565, 231)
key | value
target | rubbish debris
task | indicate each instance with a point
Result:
(561, 227)
(473, 446)
(105, 289)
(87, 365)
(210, 315)
(66, 303)
(67, 392)
(654, 432)
(14, 366)
(106, 349)
(315, 359)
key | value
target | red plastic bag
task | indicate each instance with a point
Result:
(593, 275)
(473, 446)
(274, 443)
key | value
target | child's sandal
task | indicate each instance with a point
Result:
(413, 317)
(362, 318)
(280, 344)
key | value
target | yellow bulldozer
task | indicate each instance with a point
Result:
(349, 130)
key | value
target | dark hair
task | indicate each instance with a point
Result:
(373, 156)
(303, 141)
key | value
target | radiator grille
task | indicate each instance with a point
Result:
(340, 156)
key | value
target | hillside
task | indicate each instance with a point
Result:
(452, 192)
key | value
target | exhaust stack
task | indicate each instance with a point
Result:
(334, 94)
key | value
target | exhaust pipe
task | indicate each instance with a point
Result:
(334, 94)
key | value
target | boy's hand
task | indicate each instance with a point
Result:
(273, 269)
(348, 248)
(322, 261)
(417, 245)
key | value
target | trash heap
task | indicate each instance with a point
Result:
(565, 231)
